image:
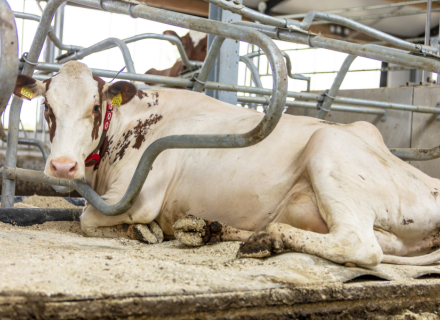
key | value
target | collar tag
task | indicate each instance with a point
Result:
(94, 157)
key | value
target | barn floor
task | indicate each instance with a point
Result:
(51, 271)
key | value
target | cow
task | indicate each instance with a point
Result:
(195, 44)
(312, 186)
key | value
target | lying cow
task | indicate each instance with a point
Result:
(312, 186)
(194, 43)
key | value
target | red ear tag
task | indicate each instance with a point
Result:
(92, 159)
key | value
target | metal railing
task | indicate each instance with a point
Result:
(257, 34)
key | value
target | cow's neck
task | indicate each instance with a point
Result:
(127, 136)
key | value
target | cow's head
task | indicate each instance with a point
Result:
(75, 104)
(195, 44)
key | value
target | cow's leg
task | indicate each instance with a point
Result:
(193, 231)
(94, 224)
(336, 163)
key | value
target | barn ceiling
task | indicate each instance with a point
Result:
(404, 26)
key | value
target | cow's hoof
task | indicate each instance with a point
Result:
(145, 233)
(156, 230)
(261, 245)
(196, 232)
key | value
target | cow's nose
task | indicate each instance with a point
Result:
(63, 169)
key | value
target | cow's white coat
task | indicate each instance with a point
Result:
(331, 190)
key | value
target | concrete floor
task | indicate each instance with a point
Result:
(51, 271)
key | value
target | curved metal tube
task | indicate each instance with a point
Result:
(8, 188)
(101, 46)
(173, 39)
(294, 76)
(45, 151)
(8, 51)
(51, 34)
(311, 105)
(331, 95)
(413, 154)
(310, 16)
(253, 69)
(375, 52)
(213, 52)
(261, 131)
(255, 74)
(398, 43)
(240, 9)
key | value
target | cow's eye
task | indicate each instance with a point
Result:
(46, 108)
(96, 108)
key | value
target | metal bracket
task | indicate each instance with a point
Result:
(384, 117)
(323, 95)
(194, 78)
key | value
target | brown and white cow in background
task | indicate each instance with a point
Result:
(195, 44)
(312, 186)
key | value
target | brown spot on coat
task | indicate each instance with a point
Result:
(141, 94)
(98, 115)
(103, 150)
(47, 83)
(362, 177)
(141, 129)
(51, 121)
(155, 96)
(101, 84)
(407, 221)
(123, 145)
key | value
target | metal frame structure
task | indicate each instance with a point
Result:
(257, 34)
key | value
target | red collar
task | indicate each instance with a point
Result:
(94, 157)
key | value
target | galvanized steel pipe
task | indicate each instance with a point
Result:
(173, 39)
(261, 131)
(101, 46)
(8, 51)
(371, 51)
(8, 187)
(51, 34)
(312, 105)
(331, 95)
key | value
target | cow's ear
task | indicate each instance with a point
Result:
(121, 91)
(171, 33)
(28, 88)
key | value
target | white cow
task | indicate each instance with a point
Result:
(312, 186)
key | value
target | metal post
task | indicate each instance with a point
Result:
(8, 186)
(59, 27)
(426, 74)
(8, 75)
(225, 68)
(330, 96)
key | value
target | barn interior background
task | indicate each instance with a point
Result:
(117, 279)
(403, 19)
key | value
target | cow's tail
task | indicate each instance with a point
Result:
(424, 260)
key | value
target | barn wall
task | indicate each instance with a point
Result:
(401, 129)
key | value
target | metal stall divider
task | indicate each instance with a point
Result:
(254, 33)
(254, 136)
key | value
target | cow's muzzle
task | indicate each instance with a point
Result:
(63, 168)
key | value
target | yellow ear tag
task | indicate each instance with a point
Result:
(117, 99)
(26, 92)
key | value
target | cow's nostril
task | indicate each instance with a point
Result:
(52, 166)
(73, 168)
